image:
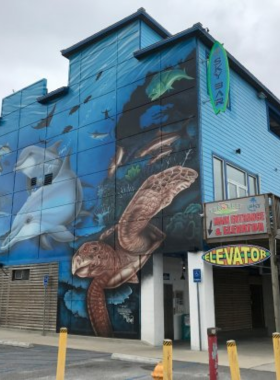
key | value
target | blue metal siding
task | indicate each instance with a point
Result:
(148, 36)
(244, 127)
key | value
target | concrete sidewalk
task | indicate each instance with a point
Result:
(253, 353)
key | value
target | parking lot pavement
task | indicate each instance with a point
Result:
(39, 362)
(32, 363)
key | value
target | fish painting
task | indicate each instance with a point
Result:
(98, 136)
(54, 217)
(74, 109)
(98, 75)
(165, 152)
(116, 161)
(87, 99)
(34, 161)
(5, 149)
(162, 140)
(46, 121)
(67, 129)
(110, 266)
(163, 82)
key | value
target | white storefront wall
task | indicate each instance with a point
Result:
(207, 306)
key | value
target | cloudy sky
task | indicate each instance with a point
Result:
(32, 33)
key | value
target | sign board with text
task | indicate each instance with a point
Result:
(218, 78)
(236, 218)
(236, 255)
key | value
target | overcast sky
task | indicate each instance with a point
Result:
(32, 33)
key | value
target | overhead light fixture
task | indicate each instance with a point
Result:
(261, 95)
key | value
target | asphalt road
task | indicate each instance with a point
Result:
(39, 363)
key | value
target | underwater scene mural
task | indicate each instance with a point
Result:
(102, 178)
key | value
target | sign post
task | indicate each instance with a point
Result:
(45, 282)
(197, 280)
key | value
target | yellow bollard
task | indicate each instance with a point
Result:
(167, 359)
(157, 374)
(233, 360)
(61, 359)
(276, 348)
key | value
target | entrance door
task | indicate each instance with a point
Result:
(168, 312)
(257, 306)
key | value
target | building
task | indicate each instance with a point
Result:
(103, 183)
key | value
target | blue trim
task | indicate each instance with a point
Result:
(198, 31)
(141, 14)
(53, 95)
(238, 167)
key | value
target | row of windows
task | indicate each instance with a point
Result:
(231, 182)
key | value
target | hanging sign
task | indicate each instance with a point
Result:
(235, 218)
(236, 255)
(218, 78)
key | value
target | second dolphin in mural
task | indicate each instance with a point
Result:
(49, 210)
(134, 239)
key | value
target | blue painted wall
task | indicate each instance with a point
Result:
(244, 126)
(148, 36)
(120, 144)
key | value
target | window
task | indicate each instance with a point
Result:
(48, 179)
(33, 181)
(20, 274)
(274, 121)
(231, 182)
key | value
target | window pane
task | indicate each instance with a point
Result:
(252, 185)
(236, 175)
(242, 192)
(218, 179)
(232, 191)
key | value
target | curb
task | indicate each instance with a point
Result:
(16, 344)
(135, 358)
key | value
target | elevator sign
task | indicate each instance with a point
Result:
(236, 255)
(235, 218)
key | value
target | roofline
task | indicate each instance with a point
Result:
(53, 95)
(198, 31)
(141, 14)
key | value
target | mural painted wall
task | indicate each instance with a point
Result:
(103, 177)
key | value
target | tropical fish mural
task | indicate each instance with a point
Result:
(163, 82)
(111, 178)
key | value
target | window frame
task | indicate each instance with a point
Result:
(226, 181)
(23, 272)
(271, 108)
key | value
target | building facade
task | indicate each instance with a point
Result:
(103, 183)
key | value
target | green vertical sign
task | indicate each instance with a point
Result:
(218, 78)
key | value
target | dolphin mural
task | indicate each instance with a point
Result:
(48, 211)
(35, 161)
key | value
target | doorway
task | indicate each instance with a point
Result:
(257, 306)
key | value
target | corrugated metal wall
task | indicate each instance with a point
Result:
(22, 301)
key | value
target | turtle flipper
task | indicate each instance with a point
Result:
(156, 193)
(97, 309)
